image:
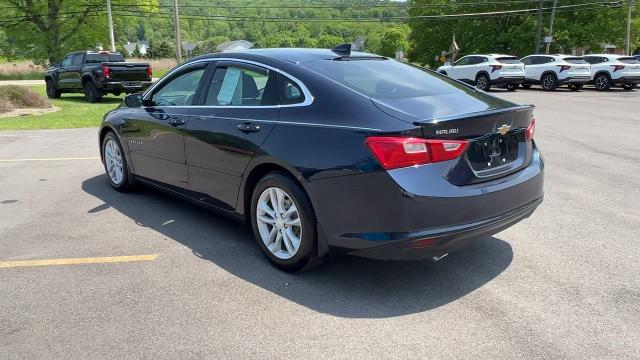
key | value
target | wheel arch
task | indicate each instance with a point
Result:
(482, 72)
(602, 72)
(256, 172)
(87, 78)
(549, 72)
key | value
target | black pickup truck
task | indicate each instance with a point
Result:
(96, 74)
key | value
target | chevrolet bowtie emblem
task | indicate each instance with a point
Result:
(504, 129)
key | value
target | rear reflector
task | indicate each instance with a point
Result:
(397, 152)
(528, 134)
(423, 243)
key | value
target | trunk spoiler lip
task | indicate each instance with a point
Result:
(477, 114)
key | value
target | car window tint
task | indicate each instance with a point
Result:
(237, 86)
(593, 60)
(383, 78)
(180, 90)
(508, 60)
(77, 59)
(99, 58)
(290, 92)
(629, 60)
(463, 61)
(575, 60)
(67, 61)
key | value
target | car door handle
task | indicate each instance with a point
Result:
(176, 121)
(249, 127)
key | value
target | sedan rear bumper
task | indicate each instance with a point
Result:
(413, 213)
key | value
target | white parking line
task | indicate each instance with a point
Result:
(51, 159)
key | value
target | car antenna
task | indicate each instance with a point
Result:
(342, 50)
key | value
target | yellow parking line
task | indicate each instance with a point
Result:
(51, 159)
(76, 261)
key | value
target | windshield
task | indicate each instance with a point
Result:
(508, 60)
(575, 60)
(384, 78)
(629, 60)
(100, 58)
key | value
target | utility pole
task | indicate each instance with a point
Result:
(553, 14)
(176, 17)
(113, 41)
(629, 7)
(539, 27)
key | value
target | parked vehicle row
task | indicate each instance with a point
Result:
(549, 71)
(96, 74)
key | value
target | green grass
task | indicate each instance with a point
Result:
(76, 113)
(23, 76)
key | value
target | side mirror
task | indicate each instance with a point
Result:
(133, 100)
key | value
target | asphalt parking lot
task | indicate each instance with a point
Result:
(564, 283)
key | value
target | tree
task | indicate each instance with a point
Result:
(136, 52)
(392, 40)
(329, 41)
(45, 30)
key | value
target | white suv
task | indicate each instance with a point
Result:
(486, 70)
(551, 71)
(609, 70)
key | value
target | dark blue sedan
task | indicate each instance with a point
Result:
(330, 151)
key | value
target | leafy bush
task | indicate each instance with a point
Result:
(20, 97)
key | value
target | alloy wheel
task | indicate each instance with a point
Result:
(113, 162)
(548, 83)
(602, 82)
(279, 223)
(481, 83)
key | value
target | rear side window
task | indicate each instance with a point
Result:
(100, 58)
(508, 60)
(383, 78)
(239, 86)
(290, 92)
(575, 60)
(629, 60)
(593, 60)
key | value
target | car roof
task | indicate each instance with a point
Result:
(606, 55)
(293, 55)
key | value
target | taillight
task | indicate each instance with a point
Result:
(564, 67)
(528, 134)
(495, 67)
(106, 72)
(150, 72)
(398, 152)
(617, 67)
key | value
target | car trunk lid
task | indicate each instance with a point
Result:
(496, 134)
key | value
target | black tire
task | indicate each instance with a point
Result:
(512, 87)
(526, 86)
(117, 93)
(127, 183)
(52, 90)
(575, 87)
(91, 93)
(629, 87)
(602, 82)
(307, 253)
(483, 82)
(548, 82)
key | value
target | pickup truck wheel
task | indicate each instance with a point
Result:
(52, 90)
(91, 93)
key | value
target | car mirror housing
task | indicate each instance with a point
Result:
(133, 100)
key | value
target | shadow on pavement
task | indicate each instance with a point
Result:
(79, 98)
(343, 286)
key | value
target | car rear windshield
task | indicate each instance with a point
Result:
(100, 58)
(575, 60)
(508, 60)
(383, 78)
(629, 60)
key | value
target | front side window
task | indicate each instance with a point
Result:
(180, 90)
(239, 86)
(463, 61)
(527, 61)
(67, 61)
